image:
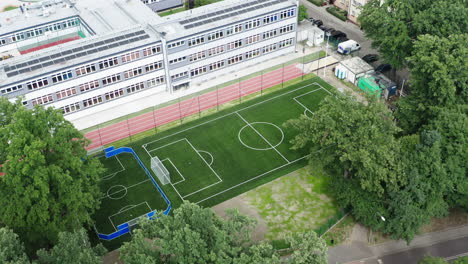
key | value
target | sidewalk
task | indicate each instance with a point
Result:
(359, 250)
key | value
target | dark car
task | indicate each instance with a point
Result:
(322, 27)
(311, 19)
(383, 68)
(329, 30)
(318, 23)
(337, 34)
(370, 58)
(342, 39)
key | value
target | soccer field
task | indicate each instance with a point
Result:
(210, 159)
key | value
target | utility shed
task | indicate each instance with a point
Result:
(353, 68)
(377, 83)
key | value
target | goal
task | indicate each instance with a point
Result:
(161, 172)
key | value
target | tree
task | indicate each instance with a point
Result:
(308, 248)
(72, 248)
(302, 13)
(438, 79)
(11, 248)
(196, 235)
(432, 260)
(50, 184)
(394, 25)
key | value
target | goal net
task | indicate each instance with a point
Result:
(161, 172)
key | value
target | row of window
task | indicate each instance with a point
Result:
(31, 33)
(235, 29)
(234, 45)
(86, 69)
(111, 95)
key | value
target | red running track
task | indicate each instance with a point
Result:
(48, 45)
(132, 126)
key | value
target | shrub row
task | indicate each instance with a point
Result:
(340, 14)
(317, 2)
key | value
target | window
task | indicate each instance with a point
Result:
(89, 86)
(198, 71)
(151, 50)
(71, 108)
(252, 54)
(153, 66)
(111, 79)
(196, 41)
(286, 29)
(133, 72)
(235, 59)
(114, 94)
(11, 89)
(234, 45)
(216, 50)
(85, 69)
(131, 56)
(155, 81)
(252, 39)
(42, 100)
(65, 93)
(135, 87)
(270, 19)
(60, 77)
(175, 44)
(216, 65)
(36, 84)
(234, 29)
(174, 61)
(287, 13)
(179, 75)
(269, 34)
(92, 101)
(108, 63)
(269, 48)
(215, 35)
(2, 41)
(237, 28)
(197, 56)
(285, 43)
(252, 24)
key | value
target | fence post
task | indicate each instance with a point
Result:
(100, 138)
(128, 127)
(180, 112)
(155, 124)
(199, 109)
(217, 98)
(282, 78)
(240, 93)
(303, 65)
(261, 83)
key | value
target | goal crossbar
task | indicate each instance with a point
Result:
(160, 170)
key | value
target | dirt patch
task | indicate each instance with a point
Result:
(240, 202)
(454, 219)
(112, 258)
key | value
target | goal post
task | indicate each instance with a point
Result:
(161, 172)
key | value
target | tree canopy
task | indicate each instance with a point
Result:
(394, 25)
(50, 184)
(11, 248)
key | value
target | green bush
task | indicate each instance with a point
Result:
(341, 14)
(317, 2)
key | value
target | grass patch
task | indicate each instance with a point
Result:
(317, 2)
(297, 202)
(339, 233)
(337, 12)
(8, 8)
(172, 11)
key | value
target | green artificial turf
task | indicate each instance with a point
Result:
(219, 156)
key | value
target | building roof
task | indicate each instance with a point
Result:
(357, 65)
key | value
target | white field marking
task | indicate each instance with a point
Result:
(173, 165)
(258, 176)
(126, 207)
(245, 108)
(306, 108)
(220, 117)
(127, 187)
(206, 187)
(110, 176)
(124, 210)
(212, 159)
(172, 143)
(268, 142)
(260, 149)
(307, 111)
(119, 197)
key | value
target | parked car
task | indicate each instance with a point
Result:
(322, 27)
(348, 46)
(337, 34)
(370, 58)
(318, 23)
(311, 19)
(329, 30)
(342, 39)
(383, 68)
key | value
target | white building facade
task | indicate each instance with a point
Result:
(140, 54)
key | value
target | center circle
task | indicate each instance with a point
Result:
(259, 124)
(117, 192)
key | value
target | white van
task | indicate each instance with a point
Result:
(348, 46)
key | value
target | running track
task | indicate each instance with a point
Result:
(132, 126)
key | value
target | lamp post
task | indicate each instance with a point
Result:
(326, 52)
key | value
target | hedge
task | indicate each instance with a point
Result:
(337, 12)
(316, 2)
